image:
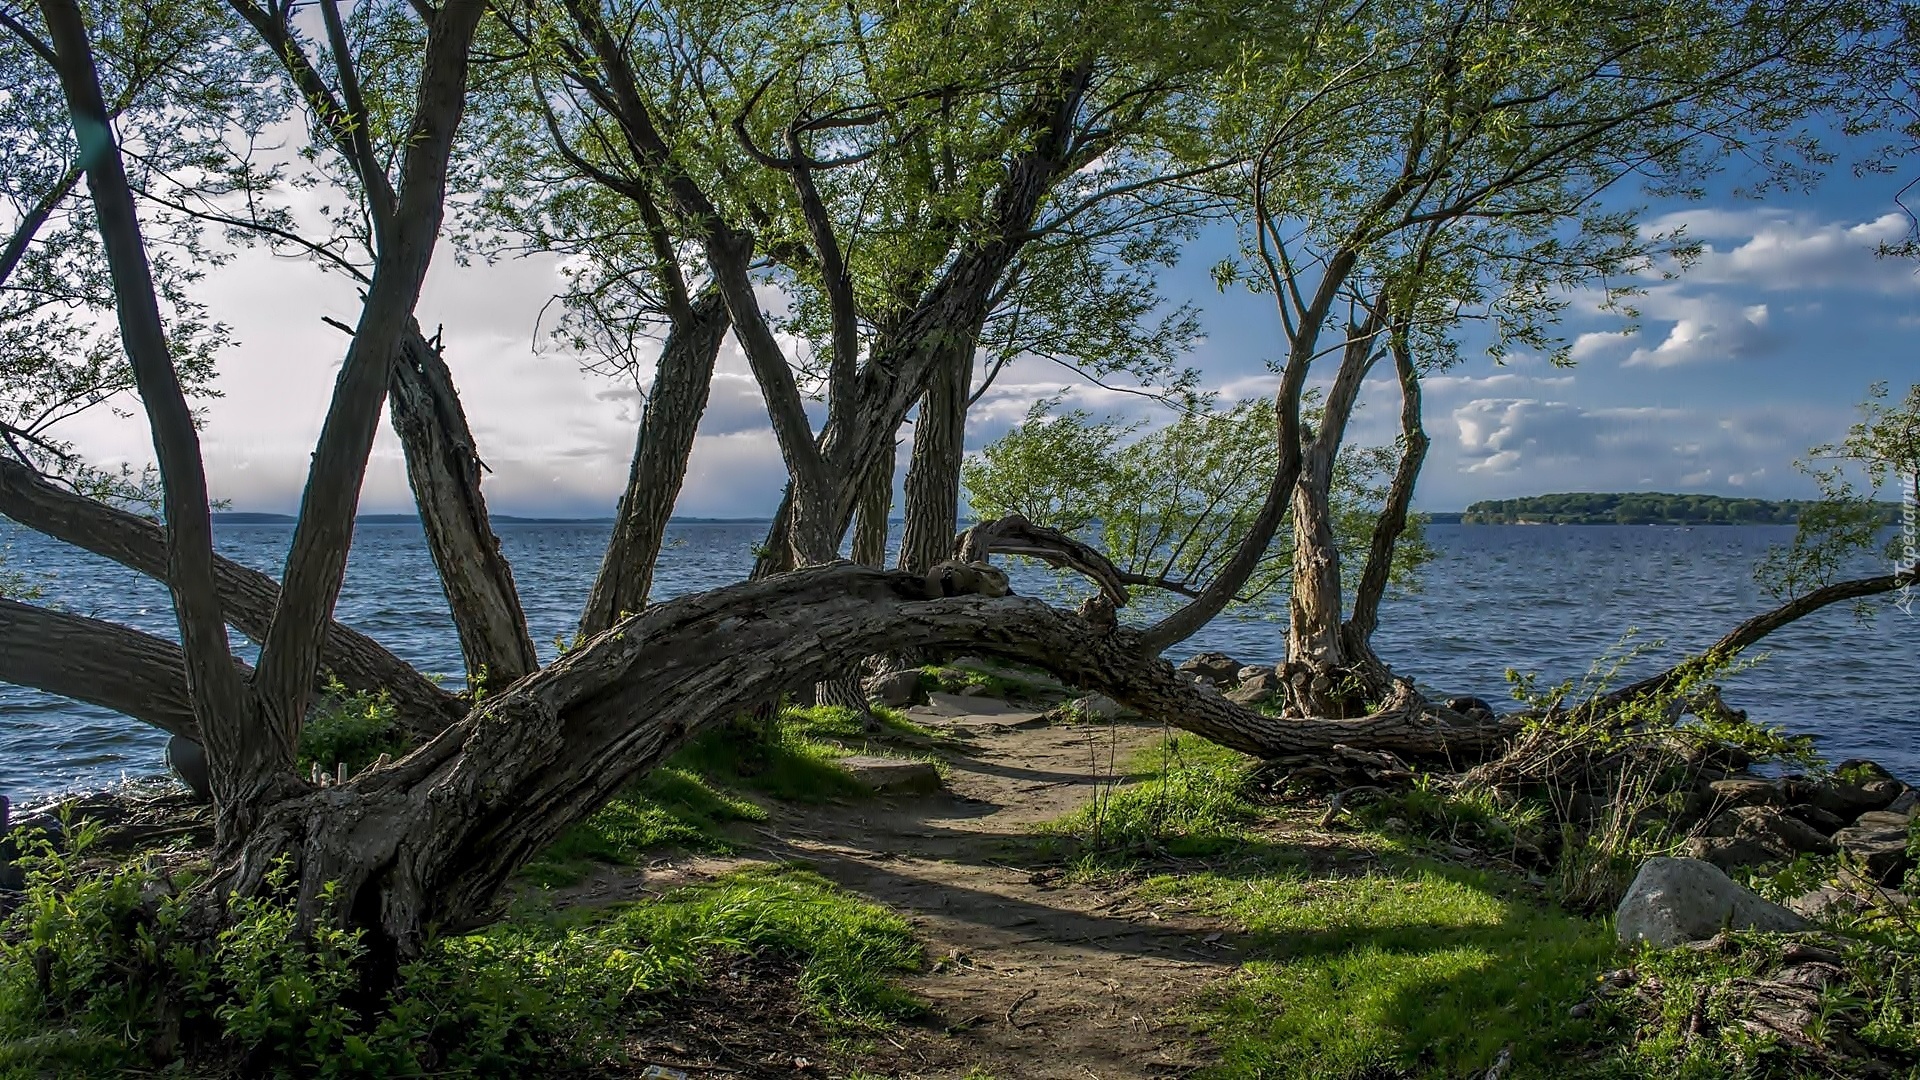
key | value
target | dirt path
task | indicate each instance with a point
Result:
(1031, 977)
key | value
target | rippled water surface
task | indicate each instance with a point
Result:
(1541, 599)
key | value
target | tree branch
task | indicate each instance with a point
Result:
(247, 596)
(98, 662)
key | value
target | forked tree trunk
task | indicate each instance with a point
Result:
(1325, 678)
(443, 469)
(675, 403)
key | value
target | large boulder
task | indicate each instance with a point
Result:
(1216, 667)
(1765, 825)
(1674, 901)
(1879, 840)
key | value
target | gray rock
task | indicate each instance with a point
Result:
(1218, 667)
(189, 763)
(1769, 827)
(1824, 902)
(1471, 705)
(1878, 839)
(1870, 787)
(1731, 853)
(1098, 707)
(1747, 791)
(892, 775)
(896, 689)
(1254, 691)
(1824, 820)
(1906, 805)
(1674, 901)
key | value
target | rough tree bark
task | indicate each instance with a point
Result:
(443, 469)
(1314, 592)
(675, 404)
(98, 662)
(933, 475)
(317, 556)
(871, 524)
(1357, 634)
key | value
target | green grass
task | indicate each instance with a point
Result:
(1428, 971)
(1188, 804)
(848, 950)
(949, 679)
(669, 808)
(688, 803)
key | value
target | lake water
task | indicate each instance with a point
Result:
(1542, 599)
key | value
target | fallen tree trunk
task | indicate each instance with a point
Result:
(431, 839)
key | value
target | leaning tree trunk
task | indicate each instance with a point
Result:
(675, 403)
(444, 468)
(933, 475)
(431, 840)
(870, 523)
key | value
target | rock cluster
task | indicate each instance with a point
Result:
(1860, 811)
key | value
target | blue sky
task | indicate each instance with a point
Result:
(1764, 348)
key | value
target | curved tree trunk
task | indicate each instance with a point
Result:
(675, 403)
(443, 469)
(933, 476)
(431, 839)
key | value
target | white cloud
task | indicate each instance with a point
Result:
(1777, 251)
(1704, 328)
(1504, 446)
